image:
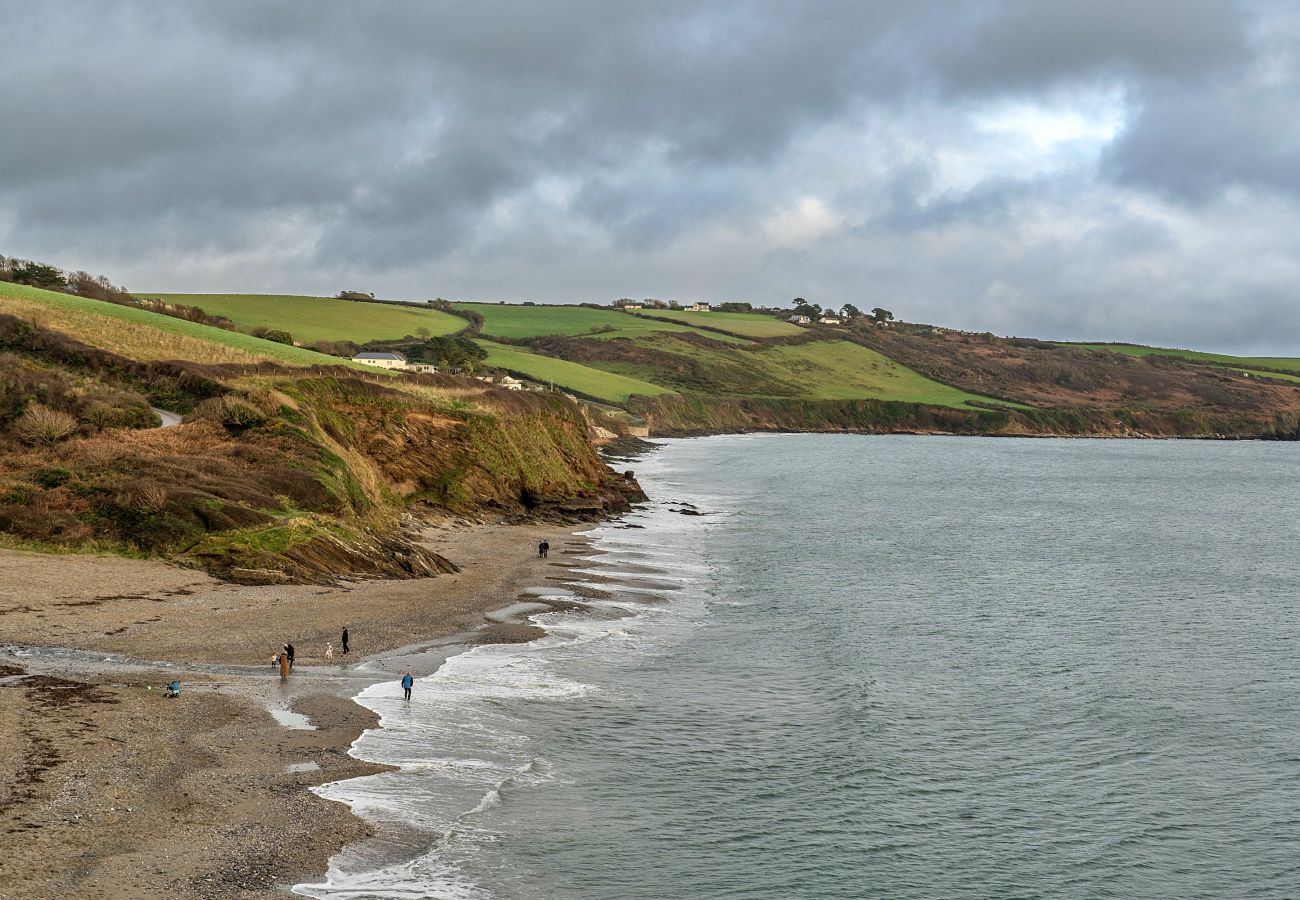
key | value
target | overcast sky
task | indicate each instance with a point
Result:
(1108, 169)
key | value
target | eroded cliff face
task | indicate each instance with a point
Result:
(284, 475)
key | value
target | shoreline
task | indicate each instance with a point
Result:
(115, 791)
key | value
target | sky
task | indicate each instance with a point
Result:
(1067, 169)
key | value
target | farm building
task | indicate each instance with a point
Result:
(800, 320)
(381, 360)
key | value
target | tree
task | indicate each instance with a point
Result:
(422, 332)
(803, 308)
(37, 274)
(849, 311)
(882, 315)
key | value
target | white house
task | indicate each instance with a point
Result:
(800, 320)
(698, 307)
(829, 320)
(511, 384)
(423, 368)
(381, 360)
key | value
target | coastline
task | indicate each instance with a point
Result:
(115, 791)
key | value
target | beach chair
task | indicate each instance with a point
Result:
(174, 689)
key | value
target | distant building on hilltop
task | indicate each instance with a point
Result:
(511, 384)
(800, 320)
(381, 360)
(829, 320)
(698, 307)
(422, 368)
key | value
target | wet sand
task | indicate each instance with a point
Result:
(107, 789)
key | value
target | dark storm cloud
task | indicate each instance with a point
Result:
(955, 156)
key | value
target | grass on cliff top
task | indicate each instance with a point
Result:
(572, 376)
(1283, 363)
(751, 325)
(143, 335)
(514, 321)
(321, 318)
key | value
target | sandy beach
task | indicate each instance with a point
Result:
(107, 789)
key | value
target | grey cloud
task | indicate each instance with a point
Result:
(1026, 45)
(583, 149)
(1192, 146)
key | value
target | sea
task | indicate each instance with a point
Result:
(834, 666)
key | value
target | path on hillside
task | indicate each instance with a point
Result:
(168, 418)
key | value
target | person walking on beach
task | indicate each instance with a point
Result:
(543, 548)
(407, 683)
(345, 639)
(284, 665)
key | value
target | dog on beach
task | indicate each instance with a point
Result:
(329, 650)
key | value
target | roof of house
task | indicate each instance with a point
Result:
(396, 356)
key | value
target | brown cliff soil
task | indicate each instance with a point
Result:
(277, 475)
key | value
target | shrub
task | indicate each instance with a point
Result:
(41, 425)
(232, 411)
(53, 477)
(146, 496)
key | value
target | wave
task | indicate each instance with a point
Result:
(460, 745)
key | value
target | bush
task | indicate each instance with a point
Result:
(41, 425)
(52, 478)
(273, 334)
(231, 411)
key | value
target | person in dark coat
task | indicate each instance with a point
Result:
(407, 683)
(345, 639)
(288, 648)
(543, 548)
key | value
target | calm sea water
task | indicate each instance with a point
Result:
(879, 667)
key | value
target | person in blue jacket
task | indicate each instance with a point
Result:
(407, 683)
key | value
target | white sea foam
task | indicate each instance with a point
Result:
(457, 743)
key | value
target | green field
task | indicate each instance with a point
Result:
(575, 377)
(823, 370)
(321, 318)
(751, 325)
(1282, 363)
(145, 335)
(513, 321)
(840, 370)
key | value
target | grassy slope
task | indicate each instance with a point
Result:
(1284, 363)
(844, 371)
(321, 318)
(151, 336)
(573, 376)
(824, 370)
(755, 325)
(512, 321)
